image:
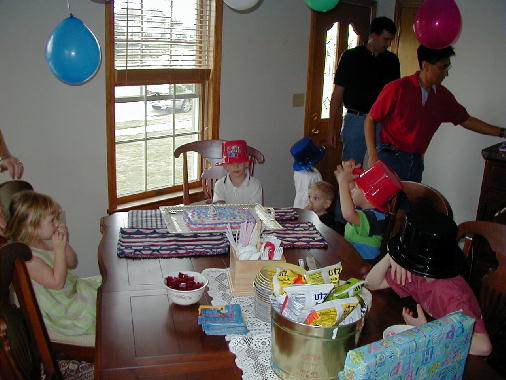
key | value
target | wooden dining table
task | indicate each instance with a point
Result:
(141, 334)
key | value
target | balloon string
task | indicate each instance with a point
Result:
(68, 7)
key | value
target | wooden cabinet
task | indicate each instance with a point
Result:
(493, 187)
(491, 207)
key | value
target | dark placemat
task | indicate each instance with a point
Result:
(299, 235)
(159, 243)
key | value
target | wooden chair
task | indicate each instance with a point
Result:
(24, 341)
(492, 292)
(389, 225)
(211, 153)
(421, 196)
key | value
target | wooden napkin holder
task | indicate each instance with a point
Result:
(243, 273)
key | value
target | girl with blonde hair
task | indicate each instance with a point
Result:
(67, 302)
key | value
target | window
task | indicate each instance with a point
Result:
(163, 72)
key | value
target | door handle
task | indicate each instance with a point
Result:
(315, 132)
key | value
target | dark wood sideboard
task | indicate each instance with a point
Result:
(493, 188)
(491, 207)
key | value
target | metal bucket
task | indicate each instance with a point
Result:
(300, 352)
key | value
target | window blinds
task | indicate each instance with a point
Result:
(163, 34)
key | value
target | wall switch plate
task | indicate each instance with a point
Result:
(298, 100)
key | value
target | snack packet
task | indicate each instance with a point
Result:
(348, 288)
(325, 275)
(282, 279)
(331, 313)
(299, 299)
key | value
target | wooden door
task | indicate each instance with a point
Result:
(405, 42)
(331, 34)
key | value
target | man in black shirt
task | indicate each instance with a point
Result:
(361, 74)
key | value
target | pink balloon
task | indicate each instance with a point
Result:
(438, 23)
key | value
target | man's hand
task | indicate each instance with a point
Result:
(13, 165)
(335, 116)
(410, 319)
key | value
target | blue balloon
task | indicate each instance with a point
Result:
(73, 52)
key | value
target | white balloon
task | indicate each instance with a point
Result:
(241, 5)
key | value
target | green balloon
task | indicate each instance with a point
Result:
(321, 5)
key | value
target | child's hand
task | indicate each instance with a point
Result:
(398, 273)
(407, 314)
(343, 176)
(59, 238)
(344, 172)
(350, 165)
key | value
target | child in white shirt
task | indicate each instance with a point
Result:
(305, 155)
(237, 186)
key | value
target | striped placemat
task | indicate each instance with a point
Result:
(159, 243)
(148, 237)
(299, 235)
(153, 218)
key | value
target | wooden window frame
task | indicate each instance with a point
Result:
(210, 80)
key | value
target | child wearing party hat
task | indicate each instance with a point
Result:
(305, 155)
(364, 196)
(237, 186)
(424, 261)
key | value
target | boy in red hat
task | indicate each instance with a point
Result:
(424, 262)
(237, 186)
(364, 204)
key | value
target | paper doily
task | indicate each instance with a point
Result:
(253, 350)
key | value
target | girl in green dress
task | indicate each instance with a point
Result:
(67, 302)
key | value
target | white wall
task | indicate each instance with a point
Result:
(59, 130)
(478, 79)
(264, 63)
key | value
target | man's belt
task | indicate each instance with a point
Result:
(355, 112)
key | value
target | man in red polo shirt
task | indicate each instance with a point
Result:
(411, 109)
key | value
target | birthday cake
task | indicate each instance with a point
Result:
(216, 218)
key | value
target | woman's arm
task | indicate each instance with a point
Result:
(9, 162)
